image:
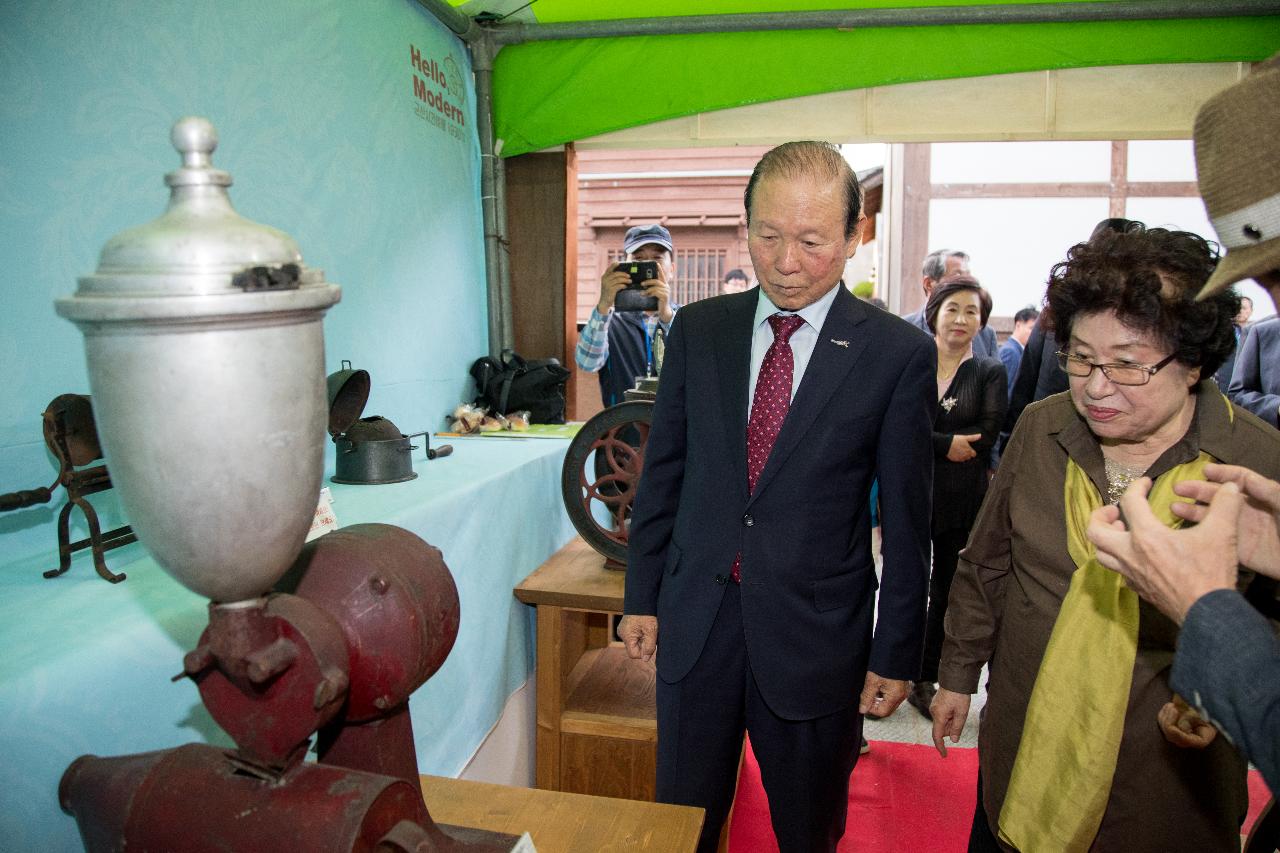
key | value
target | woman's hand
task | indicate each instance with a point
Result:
(961, 449)
(1258, 530)
(949, 711)
(1183, 727)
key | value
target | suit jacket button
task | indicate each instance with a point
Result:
(748, 520)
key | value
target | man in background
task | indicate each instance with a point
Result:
(937, 265)
(735, 281)
(1011, 350)
(1255, 379)
(1223, 376)
(618, 345)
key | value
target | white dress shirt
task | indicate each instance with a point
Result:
(802, 340)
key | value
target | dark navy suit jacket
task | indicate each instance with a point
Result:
(864, 409)
(1255, 381)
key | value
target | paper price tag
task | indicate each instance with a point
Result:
(325, 519)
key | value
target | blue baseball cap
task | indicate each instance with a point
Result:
(644, 234)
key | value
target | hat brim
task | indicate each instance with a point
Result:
(1241, 263)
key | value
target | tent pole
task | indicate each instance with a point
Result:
(492, 200)
(462, 25)
(1034, 13)
(503, 241)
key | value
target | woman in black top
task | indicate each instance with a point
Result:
(972, 398)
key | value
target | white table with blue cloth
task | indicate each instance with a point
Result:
(85, 665)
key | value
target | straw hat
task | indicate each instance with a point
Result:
(1237, 139)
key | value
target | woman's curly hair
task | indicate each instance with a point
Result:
(1149, 277)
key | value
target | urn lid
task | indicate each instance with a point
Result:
(199, 247)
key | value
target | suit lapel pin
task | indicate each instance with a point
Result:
(844, 344)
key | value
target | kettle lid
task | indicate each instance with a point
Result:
(348, 394)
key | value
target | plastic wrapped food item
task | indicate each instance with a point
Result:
(467, 418)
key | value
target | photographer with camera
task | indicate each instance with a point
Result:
(635, 299)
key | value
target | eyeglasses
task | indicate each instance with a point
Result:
(1120, 374)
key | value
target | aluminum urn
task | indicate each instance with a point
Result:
(205, 348)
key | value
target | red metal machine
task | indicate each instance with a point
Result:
(373, 616)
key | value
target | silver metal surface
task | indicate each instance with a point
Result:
(210, 399)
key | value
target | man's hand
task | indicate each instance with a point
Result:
(949, 711)
(610, 283)
(1258, 533)
(1183, 727)
(659, 289)
(960, 450)
(1170, 568)
(640, 635)
(881, 696)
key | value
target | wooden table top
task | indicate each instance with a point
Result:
(564, 823)
(574, 577)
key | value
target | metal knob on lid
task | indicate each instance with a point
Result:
(205, 350)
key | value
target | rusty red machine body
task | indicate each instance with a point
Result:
(372, 614)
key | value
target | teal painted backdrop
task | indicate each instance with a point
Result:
(321, 130)
(326, 139)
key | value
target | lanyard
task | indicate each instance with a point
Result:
(648, 346)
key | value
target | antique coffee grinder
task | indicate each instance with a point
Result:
(204, 341)
(603, 464)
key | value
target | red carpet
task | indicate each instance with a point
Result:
(901, 797)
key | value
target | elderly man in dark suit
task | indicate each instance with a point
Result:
(1255, 380)
(750, 540)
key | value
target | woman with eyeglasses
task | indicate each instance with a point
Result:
(1083, 745)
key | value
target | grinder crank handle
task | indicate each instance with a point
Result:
(442, 450)
(25, 498)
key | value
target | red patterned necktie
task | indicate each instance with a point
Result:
(769, 405)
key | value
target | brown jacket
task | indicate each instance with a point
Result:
(1006, 595)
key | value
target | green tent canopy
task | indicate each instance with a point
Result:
(547, 93)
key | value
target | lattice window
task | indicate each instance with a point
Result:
(698, 272)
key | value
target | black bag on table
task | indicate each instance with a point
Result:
(512, 384)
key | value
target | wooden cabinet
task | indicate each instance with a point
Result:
(596, 718)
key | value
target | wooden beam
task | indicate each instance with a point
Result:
(1119, 177)
(917, 192)
(1075, 189)
(538, 227)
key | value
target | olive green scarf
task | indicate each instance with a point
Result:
(1066, 759)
